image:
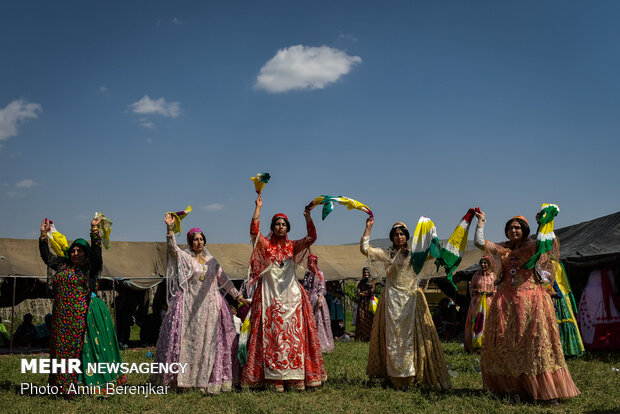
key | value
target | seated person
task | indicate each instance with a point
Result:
(26, 333)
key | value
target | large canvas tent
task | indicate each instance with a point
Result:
(141, 265)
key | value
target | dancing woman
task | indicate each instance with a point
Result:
(404, 345)
(283, 346)
(198, 328)
(521, 350)
(81, 325)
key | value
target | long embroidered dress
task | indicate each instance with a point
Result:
(81, 324)
(314, 284)
(521, 350)
(482, 284)
(283, 344)
(363, 323)
(198, 329)
(404, 345)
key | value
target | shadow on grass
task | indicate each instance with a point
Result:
(610, 411)
(611, 357)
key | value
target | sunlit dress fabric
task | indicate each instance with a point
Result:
(283, 346)
(481, 283)
(198, 328)
(521, 350)
(315, 287)
(404, 345)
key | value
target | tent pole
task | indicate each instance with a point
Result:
(344, 306)
(13, 315)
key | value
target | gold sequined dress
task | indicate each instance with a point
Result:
(404, 345)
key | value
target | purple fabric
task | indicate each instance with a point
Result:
(168, 346)
(315, 286)
(169, 342)
(222, 374)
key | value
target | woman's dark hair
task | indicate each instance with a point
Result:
(193, 235)
(366, 269)
(525, 228)
(276, 218)
(404, 230)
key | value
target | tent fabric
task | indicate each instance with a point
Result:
(143, 264)
(590, 240)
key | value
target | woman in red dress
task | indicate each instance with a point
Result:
(283, 346)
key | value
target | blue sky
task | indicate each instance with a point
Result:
(135, 108)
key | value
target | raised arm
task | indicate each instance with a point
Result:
(96, 260)
(310, 238)
(255, 224)
(48, 258)
(173, 249)
(479, 234)
(371, 252)
(479, 241)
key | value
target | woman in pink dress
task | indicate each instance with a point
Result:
(314, 283)
(521, 351)
(198, 328)
(482, 286)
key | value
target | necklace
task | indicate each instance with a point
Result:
(202, 261)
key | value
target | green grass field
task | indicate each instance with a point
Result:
(347, 390)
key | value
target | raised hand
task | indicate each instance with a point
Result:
(45, 227)
(95, 222)
(169, 220)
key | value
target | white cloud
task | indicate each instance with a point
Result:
(304, 67)
(158, 106)
(146, 123)
(28, 183)
(213, 207)
(177, 21)
(347, 36)
(149, 140)
(15, 113)
(11, 193)
(103, 89)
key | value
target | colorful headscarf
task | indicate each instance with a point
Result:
(328, 204)
(106, 228)
(424, 240)
(178, 216)
(545, 235)
(57, 241)
(452, 253)
(259, 181)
